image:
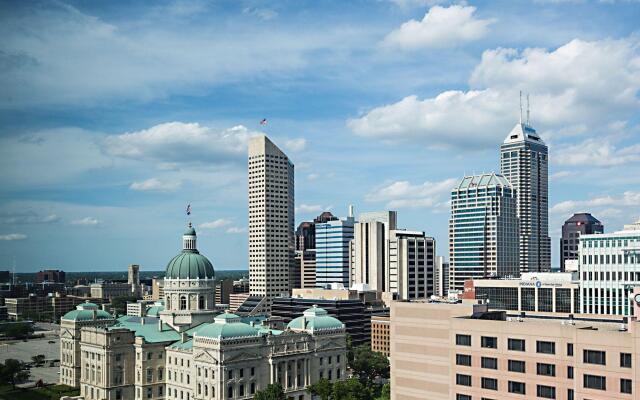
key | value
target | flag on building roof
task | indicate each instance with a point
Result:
(263, 122)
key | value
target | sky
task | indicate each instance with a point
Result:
(114, 116)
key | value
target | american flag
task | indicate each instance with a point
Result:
(263, 122)
(189, 209)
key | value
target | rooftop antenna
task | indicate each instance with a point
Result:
(521, 107)
(527, 108)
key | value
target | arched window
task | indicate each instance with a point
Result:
(183, 302)
(201, 303)
(168, 302)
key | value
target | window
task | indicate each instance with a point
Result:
(570, 395)
(253, 371)
(489, 362)
(569, 372)
(462, 396)
(595, 382)
(230, 374)
(545, 347)
(516, 344)
(461, 340)
(546, 369)
(463, 359)
(516, 366)
(464, 380)
(517, 387)
(625, 360)
(570, 349)
(253, 387)
(489, 383)
(183, 302)
(625, 386)
(149, 393)
(241, 371)
(201, 303)
(229, 392)
(594, 357)
(489, 342)
(546, 392)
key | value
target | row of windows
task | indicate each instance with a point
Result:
(595, 382)
(491, 342)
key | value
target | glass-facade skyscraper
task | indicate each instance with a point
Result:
(483, 230)
(523, 161)
(332, 251)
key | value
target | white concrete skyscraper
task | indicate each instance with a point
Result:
(523, 161)
(271, 219)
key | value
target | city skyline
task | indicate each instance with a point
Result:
(100, 166)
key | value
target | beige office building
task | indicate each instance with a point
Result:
(464, 352)
(380, 334)
(271, 218)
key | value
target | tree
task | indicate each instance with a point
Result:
(351, 389)
(120, 303)
(18, 330)
(386, 392)
(13, 371)
(369, 366)
(323, 389)
(271, 392)
(38, 359)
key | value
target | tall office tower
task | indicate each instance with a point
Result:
(332, 250)
(523, 161)
(441, 277)
(483, 230)
(369, 250)
(411, 265)
(306, 236)
(271, 219)
(578, 224)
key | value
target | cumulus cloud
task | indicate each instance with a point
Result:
(580, 82)
(627, 199)
(598, 151)
(440, 27)
(294, 145)
(86, 221)
(236, 229)
(264, 14)
(403, 194)
(417, 3)
(13, 236)
(155, 185)
(181, 142)
(216, 224)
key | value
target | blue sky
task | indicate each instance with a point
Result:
(114, 116)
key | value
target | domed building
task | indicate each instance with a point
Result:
(189, 286)
(186, 350)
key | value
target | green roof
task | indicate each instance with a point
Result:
(228, 330)
(189, 264)
(315, 318)
(149, 330)
(188, 345)
(86, 315)
(154, 311)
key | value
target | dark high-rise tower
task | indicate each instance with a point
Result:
(578, 224)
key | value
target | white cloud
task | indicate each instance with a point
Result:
(598, 151)
(236, 229)
(155, 185)
(312, 177)
(216, 224)
(311, 208)
(417, 3)
(578, 83)
(294, 145)
(86, 221)
(264, 14)
(13, 236)
(27, 217)
(179, 142)
(628, 199)
(402, 194)
(560, 175)
(440, 27)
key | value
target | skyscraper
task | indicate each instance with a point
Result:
(578, 224)
(369, 250)
(271, 219)
(523, 161)
(332, 250)
(483, 230)
(411, 264)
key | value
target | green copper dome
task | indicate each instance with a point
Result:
(227, 326)
(314, 319)
(87, 312)
(189, 264)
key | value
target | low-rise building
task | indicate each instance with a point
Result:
(380, 334)
(466, 351)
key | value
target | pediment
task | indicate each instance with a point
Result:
(206, 357)
(242, 356)
(66, 333)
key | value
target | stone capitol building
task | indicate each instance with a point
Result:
(185, 349)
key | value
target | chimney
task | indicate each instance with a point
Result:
(159, 324)
(183, 337)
